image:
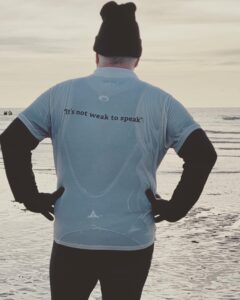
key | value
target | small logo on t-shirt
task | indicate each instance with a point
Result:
(103, 98)
(93, 215)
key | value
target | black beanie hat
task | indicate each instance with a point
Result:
(119, 33)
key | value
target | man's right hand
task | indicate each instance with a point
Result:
(44, 203)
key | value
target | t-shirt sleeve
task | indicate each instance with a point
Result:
(37, 117)
(180, 124)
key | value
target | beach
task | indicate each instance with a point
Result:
(194, 258)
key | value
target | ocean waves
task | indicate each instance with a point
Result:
(225, 142)
(222, 132)
(230, 118)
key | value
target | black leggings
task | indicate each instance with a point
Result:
(75, 272)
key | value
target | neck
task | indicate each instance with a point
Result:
(115, 66)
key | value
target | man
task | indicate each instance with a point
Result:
(109, 131)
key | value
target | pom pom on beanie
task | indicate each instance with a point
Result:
(119, 33)
(112, 10)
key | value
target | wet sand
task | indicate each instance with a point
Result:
(195, 258)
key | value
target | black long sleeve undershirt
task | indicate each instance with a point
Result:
(16, 144)
(199, 158)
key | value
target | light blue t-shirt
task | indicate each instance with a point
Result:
(109, 132)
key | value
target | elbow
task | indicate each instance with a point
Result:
(215, 157)
(9, 146)
(212, 158)
(208, 159)
(4, 138)
(3, 141)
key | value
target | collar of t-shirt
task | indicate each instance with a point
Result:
(114, 72)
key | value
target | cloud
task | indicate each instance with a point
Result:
(57, 26)
(33, 44)
(227, 52)
(229, 63)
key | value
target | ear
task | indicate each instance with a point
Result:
(97, 58)
(136, 63)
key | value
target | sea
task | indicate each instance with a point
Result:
(196, 258)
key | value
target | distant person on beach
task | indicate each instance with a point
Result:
(109, 131)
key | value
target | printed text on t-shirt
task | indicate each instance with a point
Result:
(84, 113)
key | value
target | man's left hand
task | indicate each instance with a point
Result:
(160, 207)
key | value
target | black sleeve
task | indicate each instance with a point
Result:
(16, 144)
(199, 158)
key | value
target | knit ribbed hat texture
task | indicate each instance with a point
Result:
(119, 33)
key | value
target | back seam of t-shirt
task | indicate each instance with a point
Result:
(61, 121)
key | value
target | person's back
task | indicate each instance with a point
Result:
(110, 131)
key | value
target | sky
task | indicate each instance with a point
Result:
(191, 48)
